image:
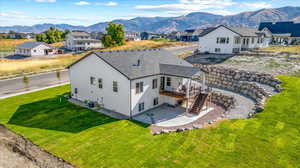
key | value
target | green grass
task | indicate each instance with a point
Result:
(89, 139)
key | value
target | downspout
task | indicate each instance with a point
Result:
(130, 105)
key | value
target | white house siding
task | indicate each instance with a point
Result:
(147, 96)
(92, 66)
(40, 50)
(22, 51)
(37, 51)
(71, 44)
(208, 43)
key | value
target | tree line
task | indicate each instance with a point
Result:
(52, 35)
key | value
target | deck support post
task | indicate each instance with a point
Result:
(188, 96)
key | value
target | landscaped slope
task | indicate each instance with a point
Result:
(88, 139)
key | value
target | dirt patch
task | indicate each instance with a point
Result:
(18, 152)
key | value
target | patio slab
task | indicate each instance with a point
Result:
(166, 116)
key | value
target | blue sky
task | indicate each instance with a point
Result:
(87, 12)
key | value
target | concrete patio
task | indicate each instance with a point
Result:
(166, 116)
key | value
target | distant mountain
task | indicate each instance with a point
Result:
(168, 24)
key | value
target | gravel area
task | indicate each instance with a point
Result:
(275, 65)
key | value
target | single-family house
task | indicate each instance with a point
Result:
(81, 41)
(190, 35)
(150, 36)
(131, 82)
(228, 40)
(282, 32)
(132, 36)
(32, 48)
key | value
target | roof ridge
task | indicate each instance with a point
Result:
(136, 50)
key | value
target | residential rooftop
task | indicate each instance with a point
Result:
(32, 44)
(281, 28)
(136, 64)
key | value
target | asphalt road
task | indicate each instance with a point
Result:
(12, 87)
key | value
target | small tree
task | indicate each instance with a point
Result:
(26, 81)
(115, 35)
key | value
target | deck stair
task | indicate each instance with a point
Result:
(198, 103)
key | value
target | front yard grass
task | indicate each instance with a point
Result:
(88, 139)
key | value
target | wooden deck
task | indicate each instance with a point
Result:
(173, 94)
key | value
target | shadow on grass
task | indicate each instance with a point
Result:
(58, 114)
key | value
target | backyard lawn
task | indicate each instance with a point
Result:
(88, 139)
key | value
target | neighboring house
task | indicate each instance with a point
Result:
(131, 82)
(282, 32)
(34, 49)
(81, 41)
(228, 40)
(132, 36)
(190, 35)
(149, 36)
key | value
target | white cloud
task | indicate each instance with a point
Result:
(111, 3)
(256, 5)
(82, 3)
(187, 6)
(41, 1)
(16, 12)
(3, 14)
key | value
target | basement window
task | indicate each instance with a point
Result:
(155, 101)
(141, 106)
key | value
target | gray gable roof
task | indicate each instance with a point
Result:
(242, 31)
(32, 44)
(79, 33)
(151, 62)
(245, 31)
(178, 70)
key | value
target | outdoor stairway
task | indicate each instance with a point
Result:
(198, 103)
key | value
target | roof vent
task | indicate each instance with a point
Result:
(138, 63)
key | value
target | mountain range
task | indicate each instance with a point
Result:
(180, 23)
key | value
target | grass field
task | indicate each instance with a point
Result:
(289, 49)
(9, 45)
(88, 139)
(18, 67)
(15, 67)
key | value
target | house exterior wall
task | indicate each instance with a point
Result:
(147, 96)
(208, 43)
(37, 51)
(72, 43)
(80, 74)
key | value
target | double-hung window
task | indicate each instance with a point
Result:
(141, 107)
(168, 81)
(100, 83)
(92, 80)
(139, 87)
(154, 83)
(115, 86)
(155, 101)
